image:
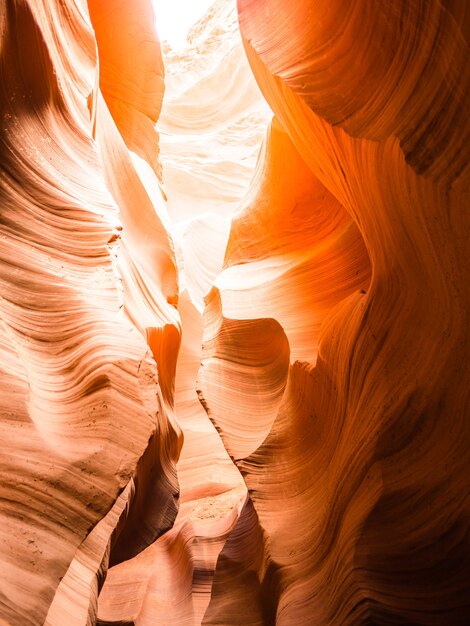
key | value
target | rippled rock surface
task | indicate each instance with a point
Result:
(234, 299)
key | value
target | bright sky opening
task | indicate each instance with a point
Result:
(174, 18)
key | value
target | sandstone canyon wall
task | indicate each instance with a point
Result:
(234, 302)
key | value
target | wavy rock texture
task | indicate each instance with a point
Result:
(406, 65)
(79, 384)
(146, 259)
(355, 488)
(309, 270)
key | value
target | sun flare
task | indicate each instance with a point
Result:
(174, 18)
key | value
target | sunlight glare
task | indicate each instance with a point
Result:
(174, 18)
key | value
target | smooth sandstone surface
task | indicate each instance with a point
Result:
(373, 435)
(234, 299)
(80, 397)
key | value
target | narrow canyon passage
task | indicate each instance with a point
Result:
(234, 300)
(208, 156)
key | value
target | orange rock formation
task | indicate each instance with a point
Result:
(234, 297)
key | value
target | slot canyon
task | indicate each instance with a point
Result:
(235, 306)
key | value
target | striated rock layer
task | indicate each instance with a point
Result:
(359, 485)
(277, 273)
(80, 393)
